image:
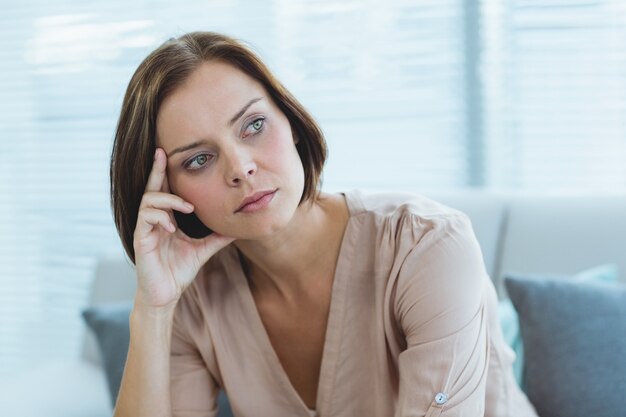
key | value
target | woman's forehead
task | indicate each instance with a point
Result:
(208, 99)
(217, 82)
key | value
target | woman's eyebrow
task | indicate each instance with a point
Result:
(230, 123)
(243, 110)
(187, 147)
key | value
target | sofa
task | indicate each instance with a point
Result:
(520, 234)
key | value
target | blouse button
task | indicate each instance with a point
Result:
(441, 398)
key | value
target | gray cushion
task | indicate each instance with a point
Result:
(574, 337)
(110, 324)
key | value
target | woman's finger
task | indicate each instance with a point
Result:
(165, 201)
(149, 218)
(157, 173)
(165, 187)
(210, 245)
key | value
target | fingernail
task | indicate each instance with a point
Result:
(189, 206)
(155, 154)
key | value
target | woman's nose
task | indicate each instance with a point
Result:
(241, 167)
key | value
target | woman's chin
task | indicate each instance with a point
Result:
(262, 232)
(255, 229)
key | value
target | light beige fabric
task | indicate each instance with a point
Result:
(412, 328)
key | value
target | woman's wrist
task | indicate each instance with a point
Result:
(143, 310)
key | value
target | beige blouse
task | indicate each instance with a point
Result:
(412, 328)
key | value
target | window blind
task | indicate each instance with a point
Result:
(555, 95)
(385, 81)
(411, 94)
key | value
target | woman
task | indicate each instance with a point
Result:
(294, 301)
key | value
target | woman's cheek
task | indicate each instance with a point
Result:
(197, 192)
(209, 199)
(185, 189)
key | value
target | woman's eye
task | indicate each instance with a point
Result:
(255, 127)
(197, 162)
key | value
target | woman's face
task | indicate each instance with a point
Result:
(227, 143)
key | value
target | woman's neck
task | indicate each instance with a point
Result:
(291, 262)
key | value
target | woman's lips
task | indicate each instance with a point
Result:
(257, 201)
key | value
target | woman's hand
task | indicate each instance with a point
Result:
(167, 260)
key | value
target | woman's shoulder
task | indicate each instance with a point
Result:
(400, 205)
(398, 224)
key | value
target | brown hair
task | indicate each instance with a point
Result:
(160, 73)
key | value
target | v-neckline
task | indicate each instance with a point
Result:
(333, 332)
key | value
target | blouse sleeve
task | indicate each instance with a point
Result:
(441, 312)
(193, 389)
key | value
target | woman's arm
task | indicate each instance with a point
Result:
(167, 262)
(165, 375)
(441, 310)
(145, 386)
